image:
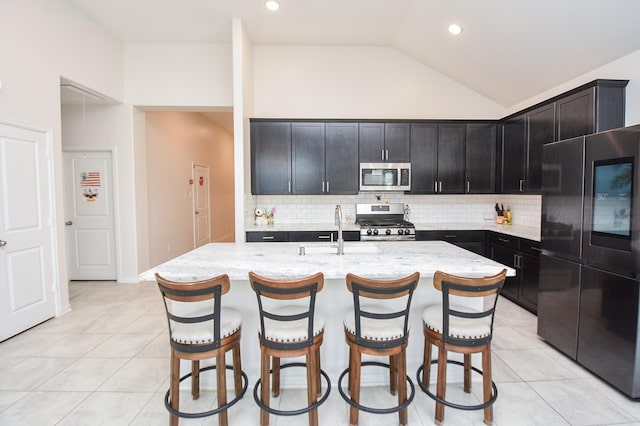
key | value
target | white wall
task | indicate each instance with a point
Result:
(178, 74)
(40, 41)
(358, 82)
(626, 68)
(243, 110)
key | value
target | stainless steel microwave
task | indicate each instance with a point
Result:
(385, 176)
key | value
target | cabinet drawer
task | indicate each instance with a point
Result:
(504, 240)
(451, 236)
(310, 236)
(267, 236)
(530, 247)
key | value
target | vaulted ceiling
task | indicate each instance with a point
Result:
(509, 50)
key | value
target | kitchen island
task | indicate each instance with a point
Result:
(282, 260)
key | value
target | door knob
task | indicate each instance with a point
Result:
(3, 243)
(197, 212)
(68, 223)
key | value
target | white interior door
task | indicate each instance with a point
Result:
(89, 215)
(27, 255)
(201, 205)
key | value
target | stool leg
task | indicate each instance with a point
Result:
(195, 379)
(312, 387)
(467, 373)
(401, 376)
(275, 386)
(426, 363)
(221, 374)
(351, 367)
(174, 389)
(486, 383)
(442, 383)
(237, 369)
(393, 375)
(264, 387)
(354, 369)
(317, 370)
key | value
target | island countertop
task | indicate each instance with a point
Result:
(386, 259)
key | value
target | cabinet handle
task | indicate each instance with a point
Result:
(386, 154)
(536, 249)
(450, 236)
(435, 186)
(468, 186)
(327, 186)
(289, 186)
(324, 237)
(382, 154)
(521, 185)
(440, 186)
(504, 240)
(323, 186)
(267, 238)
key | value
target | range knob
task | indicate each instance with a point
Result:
(388, 231)
(400, 231)
(375, 232)
(369, 231)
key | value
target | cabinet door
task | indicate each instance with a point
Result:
(513, 155)
(307, 166)
(480, 158)
(529, 271)
(540, 130)
(270, 158)
(558, 300)
(507, 256)
(575, 114)
(371, 149)
(397, 142)
(342, 158)
(451, 158)
(424, 157)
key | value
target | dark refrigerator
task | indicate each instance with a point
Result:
(590, 265)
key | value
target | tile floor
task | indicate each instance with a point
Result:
(107, 363)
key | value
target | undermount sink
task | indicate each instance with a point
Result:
(355, 249)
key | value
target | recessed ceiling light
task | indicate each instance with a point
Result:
(272, 5)
(455, 29)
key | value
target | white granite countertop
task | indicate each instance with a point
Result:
(281, 260)
(529, 232)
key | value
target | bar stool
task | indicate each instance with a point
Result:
(380, 331)
(454, 328)
(289, 331)
(199, 328)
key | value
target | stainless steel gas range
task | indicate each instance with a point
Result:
(384, 222)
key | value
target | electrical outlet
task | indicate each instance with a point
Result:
(168, 248)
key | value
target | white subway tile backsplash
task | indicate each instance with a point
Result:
(463, 208)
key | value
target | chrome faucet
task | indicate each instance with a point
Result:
(339, 225)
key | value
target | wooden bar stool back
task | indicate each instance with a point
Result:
(289, 330)
(455, 328)
(379, 329)
(200, 328)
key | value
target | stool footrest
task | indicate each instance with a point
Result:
(323, 398)
(167, 397)
(361, 407)
(425, 389)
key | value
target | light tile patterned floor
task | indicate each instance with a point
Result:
(107, 363)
